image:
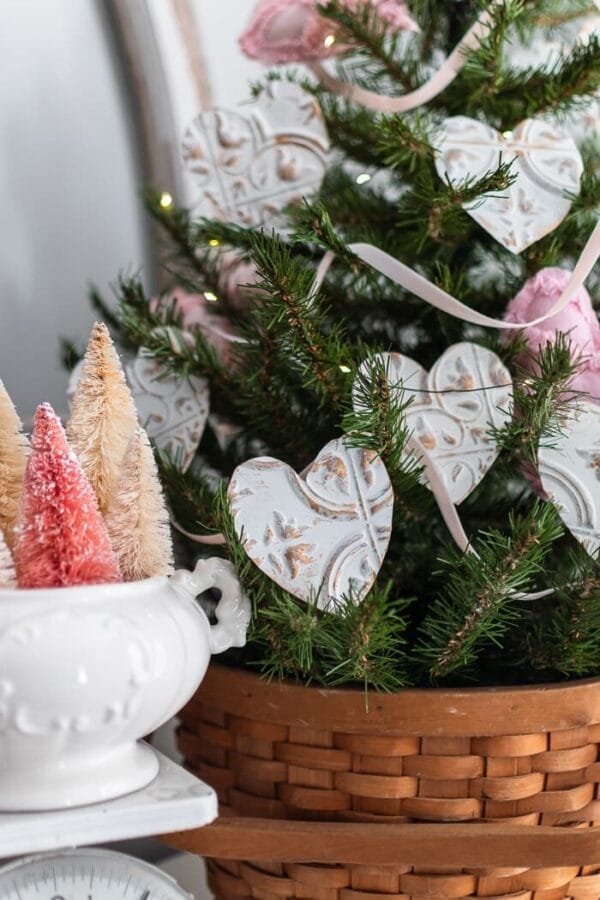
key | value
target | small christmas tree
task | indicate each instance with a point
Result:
(309, 365)
(8, 575)
(63, 540)
(137, 518)
(103, 416)
(14, 448)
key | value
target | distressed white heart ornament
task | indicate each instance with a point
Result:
(569, 470)
(547, 163)
(252, 162)
(321, 535)
(172, 409)
(453, 406)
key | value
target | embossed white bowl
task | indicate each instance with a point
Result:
(85, 672)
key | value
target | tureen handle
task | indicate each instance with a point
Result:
(233, 609)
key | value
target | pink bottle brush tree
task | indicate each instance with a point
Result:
(62, 540)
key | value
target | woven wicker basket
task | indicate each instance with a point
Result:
(489, 761)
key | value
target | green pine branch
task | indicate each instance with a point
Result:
(159, 331)
(567, 636)
(563, 87)
(404, 143)
(432, 213)
(190, 498)
(291, 308)
(377, 422)
(368, 35)
(363, 643)
(541, 399)
(477, 605)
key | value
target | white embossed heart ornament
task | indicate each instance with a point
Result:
(453, 406)
(545, 159)
(321, 535)
(569, 470)
(172, 409)
(250, 163)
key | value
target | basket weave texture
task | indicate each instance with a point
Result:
(268, 756)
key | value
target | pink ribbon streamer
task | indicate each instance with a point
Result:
(436, 84)
(211, 539)
(450, 513)
(418, 285)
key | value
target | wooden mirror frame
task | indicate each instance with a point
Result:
(161, 47)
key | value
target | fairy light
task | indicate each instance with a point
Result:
(363, 178)
(345, 369)
(166, 200)
(507, 135)
(212, 298)
(213, 242)
(329, 41)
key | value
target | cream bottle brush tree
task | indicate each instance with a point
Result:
(14, 450)
(103, 416)
(8, 575)
(137, 518)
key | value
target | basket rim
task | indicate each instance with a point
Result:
(438, 712)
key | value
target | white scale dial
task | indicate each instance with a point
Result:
(86, 875)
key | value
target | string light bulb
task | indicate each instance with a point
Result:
(363, 178)
(212, 298)
(166, 200)
(345, 369)
(213, 242)
(329, 41)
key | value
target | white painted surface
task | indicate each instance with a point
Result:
(190, 873)
(220, 22)
(174, 801)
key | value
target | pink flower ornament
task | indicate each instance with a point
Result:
(197, 315)
(578, 320)
(284, 31)
(236, 278)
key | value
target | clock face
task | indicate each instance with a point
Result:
(86, 875)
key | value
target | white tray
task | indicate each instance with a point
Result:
(174, 801)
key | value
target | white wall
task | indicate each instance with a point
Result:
(69, 173)
(69, 213)
(220, 23)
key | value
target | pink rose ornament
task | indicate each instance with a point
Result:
(578, 320)
(284, 31)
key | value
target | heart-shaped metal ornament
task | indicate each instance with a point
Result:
(545, 159)
(569, 469)
(173, 410)
(453, 406)
(251, 163)
(321, 535)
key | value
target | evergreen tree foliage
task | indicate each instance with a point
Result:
(435, 614)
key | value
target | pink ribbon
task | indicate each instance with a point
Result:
(217, 539)
(436, 84)
(418, 285)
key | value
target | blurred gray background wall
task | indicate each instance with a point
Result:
(70, 172)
